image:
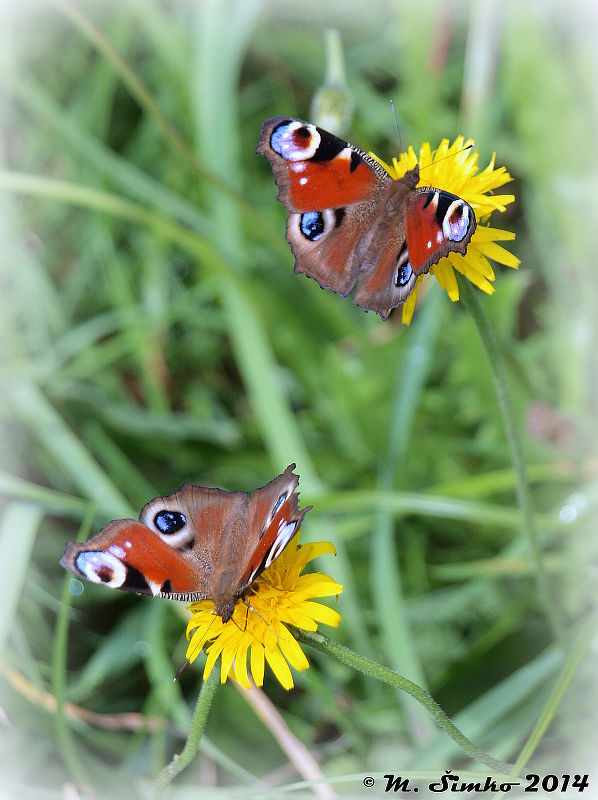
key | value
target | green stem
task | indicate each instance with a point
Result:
(514, 435)
(388, 676)
(198, 723)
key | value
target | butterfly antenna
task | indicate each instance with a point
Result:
(257, 613)
(394, 113)
(236, 624)
(444, 158)
(180, 670)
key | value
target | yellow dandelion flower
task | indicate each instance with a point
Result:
(455, 169)
(279, 597)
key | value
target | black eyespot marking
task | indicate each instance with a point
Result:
(169, 522)
(166, 587)
(404, 270)
(356, 160)
(189, 545)
(329, 147)
(404, 274)
(312, 225)
(339, 215)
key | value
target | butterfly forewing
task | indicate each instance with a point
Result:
(126, 555)
(275, 512)
(316, 170)
(437, 223)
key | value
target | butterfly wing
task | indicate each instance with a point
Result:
(331, 189)
(171, 552)
(252, 539)
(274, 518)
(127, 555)
(437, 223)
(387, 277)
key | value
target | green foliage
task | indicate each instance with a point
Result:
(154, 332)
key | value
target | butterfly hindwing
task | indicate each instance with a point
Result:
(322, 251)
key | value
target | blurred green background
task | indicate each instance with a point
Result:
(154, 332)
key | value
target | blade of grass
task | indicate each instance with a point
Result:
(577, 651)
(147, 342)
(385, 578)
(143, 96)
(220, 47)
(479, 717)
(403, 503)
(118, 466)
(281, 433)
(124, 175)
(299, 755)
(16, 552)
(90, 198)
(160, 669)
(48, 499)
(252, 348)
(515, 437)
(217, 124)
(66, 742)
(502, 566)
(29, 405)
(503, 480)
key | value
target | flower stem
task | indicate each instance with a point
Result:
(514, 435)
(385, 675)
(198, 723)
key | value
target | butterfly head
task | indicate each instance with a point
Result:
(225, 607)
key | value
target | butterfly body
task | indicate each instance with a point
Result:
(349, 221)
(195, 544)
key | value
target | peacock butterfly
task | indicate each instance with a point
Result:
(349, 220)
(195, 544)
